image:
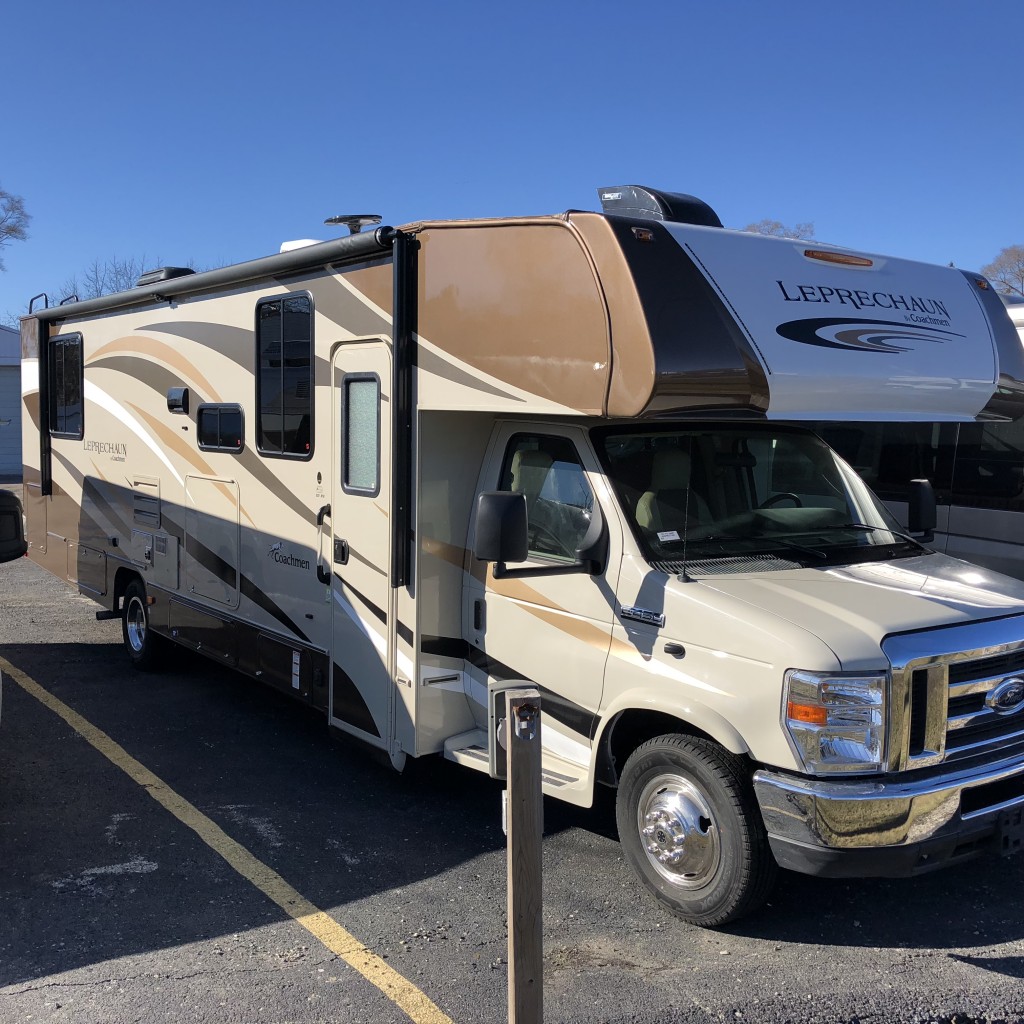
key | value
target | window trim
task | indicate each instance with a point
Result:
(51, 382)
(348, 378)
(219, 406)
(269, 453)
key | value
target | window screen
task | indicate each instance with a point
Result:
(361, 434)
(66, 384)
(219, 428)
(284, 376)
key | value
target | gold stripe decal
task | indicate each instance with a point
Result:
(414, 1003)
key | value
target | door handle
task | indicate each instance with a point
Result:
(322, 574)
(340, 552)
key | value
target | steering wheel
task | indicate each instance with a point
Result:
(782, 496)
(544, 535)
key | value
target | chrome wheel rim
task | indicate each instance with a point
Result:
(678, 831)
(135, 621)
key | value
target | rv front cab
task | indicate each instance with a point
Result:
(503, 535)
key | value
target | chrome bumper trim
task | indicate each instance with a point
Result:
(848, 814)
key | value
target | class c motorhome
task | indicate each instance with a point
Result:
(397, 473)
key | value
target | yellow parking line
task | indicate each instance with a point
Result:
(397, 988)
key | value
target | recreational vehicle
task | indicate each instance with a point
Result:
(399, 472)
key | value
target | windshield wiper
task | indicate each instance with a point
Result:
(879, 529)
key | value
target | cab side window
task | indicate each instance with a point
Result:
(889, 455)
(559, 500)
(990, 466)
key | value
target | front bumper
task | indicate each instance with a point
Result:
(887, 827)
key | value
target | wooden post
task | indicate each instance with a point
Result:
(525, 827)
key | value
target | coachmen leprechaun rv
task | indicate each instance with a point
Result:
(398, 473)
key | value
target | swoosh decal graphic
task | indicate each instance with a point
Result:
(863, 335)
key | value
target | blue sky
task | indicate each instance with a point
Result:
(209, 132)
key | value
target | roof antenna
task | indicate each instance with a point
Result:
(355, 222)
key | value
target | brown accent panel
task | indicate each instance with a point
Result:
(451, 553)
(519, 301)
(633, 370)
(174, 441)
(159, 352)
(153, 375)
(235, 343)
(336, 302)
(376, 282)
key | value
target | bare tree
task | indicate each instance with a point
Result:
(803, 231)
(1006, 271)
(13, 221)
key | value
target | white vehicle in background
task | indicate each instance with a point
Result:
(976, 469)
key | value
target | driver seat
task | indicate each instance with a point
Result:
(671, 503)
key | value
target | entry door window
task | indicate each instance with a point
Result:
(360, 440)
(559, 500)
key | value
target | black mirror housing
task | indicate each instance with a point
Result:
(921, 514)
(501, 527)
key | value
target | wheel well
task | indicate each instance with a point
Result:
(628, 730)
(121, 580)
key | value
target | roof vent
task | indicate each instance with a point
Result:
(299, 243)
(649, 204)
(162, 274)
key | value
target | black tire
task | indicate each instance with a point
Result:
(144, 647)
(705, 855)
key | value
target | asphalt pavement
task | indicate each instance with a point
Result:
(114, 910)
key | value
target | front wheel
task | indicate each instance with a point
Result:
(691, 829)
(141, 643)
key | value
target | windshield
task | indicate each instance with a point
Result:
(752, 496)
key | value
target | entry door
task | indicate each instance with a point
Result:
(362, 647)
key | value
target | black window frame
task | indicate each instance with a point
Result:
(350, 378)
(220, 407)
(55, 366)
(272, 453)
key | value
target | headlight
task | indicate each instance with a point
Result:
(836, 723)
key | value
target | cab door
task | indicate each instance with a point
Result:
(362, 600)
(550, 630)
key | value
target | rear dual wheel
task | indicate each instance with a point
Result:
(691, 829)
(144, 647)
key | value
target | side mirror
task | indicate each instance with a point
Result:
(501, 527)
(921, 516)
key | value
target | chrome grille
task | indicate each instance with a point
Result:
(944, 688)
(971, 722)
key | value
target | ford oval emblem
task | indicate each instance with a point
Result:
(1007, 697)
